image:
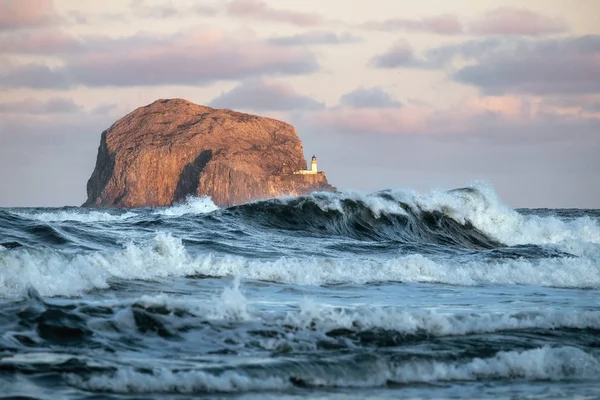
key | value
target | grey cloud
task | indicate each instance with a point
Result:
(34, 76)
(182, 68)
(517, 21)
(263, 96)
(258, 9)
(444, 24)
(314, 38)
(500, 21)
(401, 55)
(592, 107)
(499, 65)
(55, 105)
(369, 97)
(585, 103)
(544, 67)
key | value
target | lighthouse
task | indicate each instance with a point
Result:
(313, 168)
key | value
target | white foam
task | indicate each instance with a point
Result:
(54, 273)
(232, 305)
(545, 363)
(485, 211)
(192, 205)
(325, 317)
(128, 380)
(80, 215)
(553, 272)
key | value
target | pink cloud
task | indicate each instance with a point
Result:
(38, 42)
(194, 57)
(517, 21)
(477, 116)
(260, 10)
(15, 14)
(444, 24)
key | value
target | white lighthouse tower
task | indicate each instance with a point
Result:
(313, 168)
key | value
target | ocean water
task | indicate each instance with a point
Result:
(449, 294)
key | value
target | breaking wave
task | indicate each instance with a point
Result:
(54, 273)
(405, 237)
(472, 217)
(545, 363)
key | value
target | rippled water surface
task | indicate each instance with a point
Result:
(331, 296)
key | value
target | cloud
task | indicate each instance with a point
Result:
(500, 21)
(104, 109)
(499, 65)
(194, 57)
(44, 41)
(314, 38)
(34, 76)
(543, 67)
(55, 105)
(259, 10)
(517, 21)
(444, 24)
(400, 55)
(503, 118)
(171, 11)
(17, 14)
(369, 121)
(369, 98)
(259, 95)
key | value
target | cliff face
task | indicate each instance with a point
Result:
(161, 153)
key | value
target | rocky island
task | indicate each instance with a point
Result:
(164, 152)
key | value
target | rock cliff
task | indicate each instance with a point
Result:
(161, 153)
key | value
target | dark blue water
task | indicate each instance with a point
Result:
(394, 294)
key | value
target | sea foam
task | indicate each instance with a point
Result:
(544, 363)
(80, 215)
(192, 205)
(54, 273)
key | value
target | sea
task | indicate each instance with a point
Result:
(446, 294)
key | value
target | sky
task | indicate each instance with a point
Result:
(388, 94)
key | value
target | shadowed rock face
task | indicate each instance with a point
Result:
(161, 153)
